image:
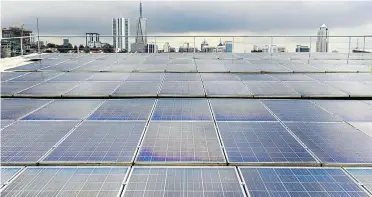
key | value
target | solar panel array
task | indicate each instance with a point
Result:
(187, 124)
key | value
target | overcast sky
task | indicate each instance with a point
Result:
(196, 17)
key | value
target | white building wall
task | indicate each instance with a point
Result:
(322, 39)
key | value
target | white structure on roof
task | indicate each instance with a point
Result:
(120, 33)
(322, 40)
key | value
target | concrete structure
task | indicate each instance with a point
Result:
(228, 46)
(301, 48)
(120, 33)
(141, 39)
(14, 45)
(323, 39)
(166, 47)
(151, 48)
(92, 40)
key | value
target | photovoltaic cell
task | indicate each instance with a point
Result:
(362, 175)
(358, 76)
(109, 77)
(314, 88)
(334, 142)
(182, 77)
(299, 110)
(145, 77)
(50, 88)
(270, 88)
(255, 77)
(240, 110)
(327, 76)
(182, 109)
(68, 181)
(94, 88)
(196, 182)
(353, 88)
(182, 88)
(99, 141)
(261, 142)
(12, 109)
(36, 76)
(181, 142)
(5, 123)
(65, 110)
(301, 182)
(126, 109)
(348, 110)
(73, 76)
(7, 173)
(366, 127)
(181, 68)
(226, 88)
(291, 77)
(138, 88)
(10, 75)
(28, 141)
(12, 87)
(218, 77)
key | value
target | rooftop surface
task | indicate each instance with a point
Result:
(184, 124)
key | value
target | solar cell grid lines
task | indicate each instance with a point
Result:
(65, 110)
(99, 141)
(124, 109)
(299, 182)
(226, 88)
(269, 142)
(353, 88)
(93, 88)
(337, 143)
(270, 89)
(68, 181)
(201, 182)
(36, 76)
(13, 109)
(7, 173)
(363, 176)
(291, 77)
(12, 87)
(365, 127)
(182, 77)
(73, 76)
(5, 76)
(49, 88)
(182, 88)
(255, 77)
(218, 77)
(314, 89)
(145, 77)
(5, 123)
(28, 141)
(182, 142)
(137, 88)
(240, 110)
(348, 110)
(182, 109)
(109, 77)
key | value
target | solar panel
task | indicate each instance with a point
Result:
(65, 110)
(13, 109)
(298, 67)
(68, 181)
(7, 173)
(218, 77)
(334, 142)
(71, 76)
(211, 68)
(126, 109)
(242, 68)
(145, 77)
(353, 88)
(182, 88)
(299, 182)
(28, 141)
(240, 110)
(348, 110)
(190, 142)
(255, 77)
(270, 88)
(226, 88)
(138, 88)
(11, 87)
(182, 77)
(327, 76)
(5, 76)
(36, 76)
(363, 176)
(314, 89)
(99, 141)
(273, 68)
(94, 88)
(291, 77)
(5, 123)
(358, 76)
(299, 110)
(109, 77)
(366, 127)
(182, 109)
(28, 67)
(201, 182)
(181, 68)
(50, 88)
(265, 142)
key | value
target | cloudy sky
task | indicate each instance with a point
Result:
(199, 18)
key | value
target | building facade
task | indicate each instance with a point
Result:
(228, 46)
(14, 45)
(120, 33)
(302, 49)
(92, 40)
(322, 39)
(166, 47)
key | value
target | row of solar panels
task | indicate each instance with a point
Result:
(185, 181)
(184, 131)
(185, 85)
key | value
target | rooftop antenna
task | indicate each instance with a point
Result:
(140, 9)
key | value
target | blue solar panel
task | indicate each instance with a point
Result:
(182, 77)
(13, 109)
(109, 77)
(226, 88)
(363, 176)
(10, 75)
(182, 109)
(138, 88)
(65, 110)
(6, 173)
(126, 109)
(255, 77)
(182, 88)
(191, 182)
(12, 87)
(94, 88)
(240, 110)
(334, 142)
(299, 182)
(219, 77)
(261, 142)
(71, 76)
(98, 141)
(299, 110)
(50, 88)
(181, 142)
(28, 141)
(5, 123)
(145, 77)
(68, 181)
(36, 76)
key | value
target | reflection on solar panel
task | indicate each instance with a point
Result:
(291, 77)
(65, 110)
(50, 88)
(255, 77)
(36, 76)
(327, 76)
(127, 109)
(181, 142)
(182, 77)
(182, 88)
(28, 141)
(226, 88)
(94, 88)
(7, 173)
(109, 77)
(68, 181)
(366, 127)
(261, 142)
(201, 182)
(182, 109)
(363, 176)
(12, 87)
(12, 109)
(270, 88)
(353, 88)
(138, 88)
(218, 77)
(97, 141)
(10, 75)
(240, 110)
(145, 77)
(299, 182)
(348, 110)
(299, 110)
(314, 88)
(334, 142)
(73, 76)
(5, 123)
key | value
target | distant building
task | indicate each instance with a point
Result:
(14, 45)
(268, 49)
(166, 47)
(151, 48)
(204, 46)
(141, 34)
(220, 48)
(120, 33)
(301, 48)
(323, 39)
(281, 49)
(66, 41)
(92, 40)
(186, 48)
(228, 46)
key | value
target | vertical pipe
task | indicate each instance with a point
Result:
(21, 44)
(364, 43)
(38, 36)
(348, 54)
(308, 61)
